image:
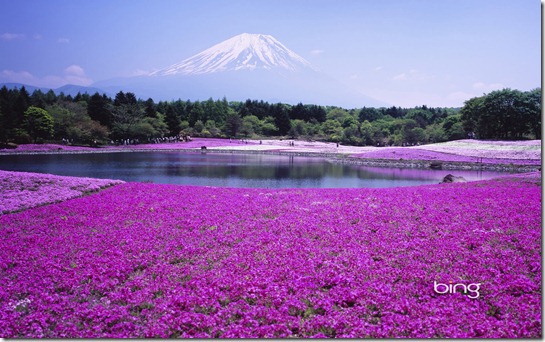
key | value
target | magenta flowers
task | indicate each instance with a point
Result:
(147, 260)
(196, 143)
(23, 190)
(410, 153)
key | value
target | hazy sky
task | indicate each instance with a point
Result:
(403, 52)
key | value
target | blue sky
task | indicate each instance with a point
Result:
(402, 52)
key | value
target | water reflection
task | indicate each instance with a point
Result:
(232, 170)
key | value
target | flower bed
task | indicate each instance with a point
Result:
(465, 151)
(148, 260)
(194, 143)
(515, 150)
(46, 148)
(23, 190)
(411, 153)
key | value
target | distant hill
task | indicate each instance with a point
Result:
(72, 89)
(28, 87)
(247, 66)
(68, 89)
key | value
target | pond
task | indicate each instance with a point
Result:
(228, 170)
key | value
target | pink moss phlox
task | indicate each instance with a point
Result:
(149, 260)
(423, 154)
(195, 143)
(46, 148)
(23, 190)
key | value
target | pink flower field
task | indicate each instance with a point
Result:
(150, 260)
(196, 143)
(423, 154)
(46, 148)
(22, 190)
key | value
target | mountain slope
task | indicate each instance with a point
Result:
(245, 51)
(247, 66)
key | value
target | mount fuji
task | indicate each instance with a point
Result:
(243, 52)
(247, 66)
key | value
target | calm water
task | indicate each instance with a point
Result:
(228, 170)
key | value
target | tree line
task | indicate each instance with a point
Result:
(99, 119)
(504, 114)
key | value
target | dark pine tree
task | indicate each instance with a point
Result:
(99, 109)
(281, 118)
(149, 108)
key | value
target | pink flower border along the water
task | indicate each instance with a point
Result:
(460, 153)
(23, 190)
(195, 143)
(465, 151)
(46, 148)
(150, 260)
(404, 153)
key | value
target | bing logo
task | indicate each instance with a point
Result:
(473, 289)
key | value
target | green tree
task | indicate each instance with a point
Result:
(470, 113)
(149, 108)
(3, 128)
(332, 129)
(299, 112)
(37, 99)
(533, 105)
(213, 110)
(50, 97)
(298, 128)
(349, 121)
(99, 109)
(18, 101)
(251, 125)
(39, 124)
(338, 114)
(199, 126)
(281, 118)
(172, 121)
(141, 130)
(211, 127)
(233, 124)
(403, 131)
(366, 133)
(414, 135)
(184, 128)
(381, 131)
(11, 122)
(423, 117)
(22, 102)
(196, 113)
(159, 125)
(128, 118)
(435, 133)
(352, 135)
(500, 115)
(503, 114)
(269, 127)
(369, 114)
(453, 128)
(317, 113)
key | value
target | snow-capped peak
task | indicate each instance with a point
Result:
(245, 51)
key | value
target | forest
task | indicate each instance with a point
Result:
(98, 119)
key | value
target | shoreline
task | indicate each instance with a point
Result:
(334, 157)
